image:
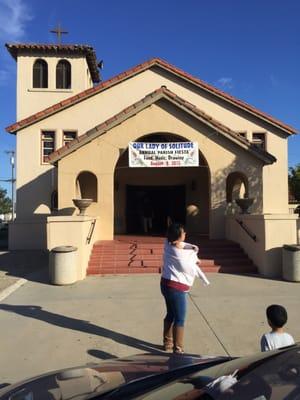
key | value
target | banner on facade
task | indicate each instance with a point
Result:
(170, 154)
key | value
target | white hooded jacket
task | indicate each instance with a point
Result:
(180, 265)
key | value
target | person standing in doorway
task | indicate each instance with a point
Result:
(147, 211)
(180, 267)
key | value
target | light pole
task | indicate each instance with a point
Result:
(12, 180)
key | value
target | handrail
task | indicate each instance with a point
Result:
(91, 231)
(247, 230)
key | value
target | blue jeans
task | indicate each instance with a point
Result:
(176, 302)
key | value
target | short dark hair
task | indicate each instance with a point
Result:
(277, 315)
(174, 231)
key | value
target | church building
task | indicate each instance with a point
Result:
(152, 142)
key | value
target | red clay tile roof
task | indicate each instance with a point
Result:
(137, 69)
(161, 93)
(61, 49)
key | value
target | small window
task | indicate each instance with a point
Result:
(243, 134)
(69, 136)
(48, 144)
(40, 74)
(63, 75)
(259, 140)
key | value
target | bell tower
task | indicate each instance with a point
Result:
(50, 73)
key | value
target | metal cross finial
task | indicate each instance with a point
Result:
(58, 31)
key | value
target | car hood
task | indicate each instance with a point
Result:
(82, 382)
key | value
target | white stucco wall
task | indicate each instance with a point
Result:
(87, 114)
(271, 231)
(31, 100)
(101, 155)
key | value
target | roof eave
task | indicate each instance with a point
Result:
(171, 69)
(145, 102)
(85, 50)
(105, 126)
(287, 130)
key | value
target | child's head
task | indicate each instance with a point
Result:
(175, 232)
(277, 316)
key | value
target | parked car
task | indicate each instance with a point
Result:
(263, 376)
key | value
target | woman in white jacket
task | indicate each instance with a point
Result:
(180, 267)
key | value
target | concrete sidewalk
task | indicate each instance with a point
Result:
(46, 327)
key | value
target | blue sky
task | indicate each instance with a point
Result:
(250, 49)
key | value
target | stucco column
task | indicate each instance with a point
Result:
(106, 204)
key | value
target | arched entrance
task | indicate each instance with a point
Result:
(160, 194)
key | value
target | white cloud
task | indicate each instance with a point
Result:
(225, 83)
(14, 14)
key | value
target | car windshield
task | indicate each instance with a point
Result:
(270, 375)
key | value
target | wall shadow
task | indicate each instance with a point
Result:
(35, 193)
(33, 208)
(28, 233)
(29, 264)
(64, 211)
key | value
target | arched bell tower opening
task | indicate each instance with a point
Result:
(147, 199)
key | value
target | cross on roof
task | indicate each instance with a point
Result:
(58, 31)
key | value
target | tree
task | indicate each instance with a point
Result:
(294, 181)
(5, 202)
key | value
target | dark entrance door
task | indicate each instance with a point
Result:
(162, 202)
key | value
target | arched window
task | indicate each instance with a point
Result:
(63, 75)
(86, 186)
(236, 186)
(40, 74)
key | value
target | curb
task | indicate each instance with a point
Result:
(12, 288)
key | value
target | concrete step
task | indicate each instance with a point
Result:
(148, 257)
(119, 271)
(109, 257)
(133, 254)
(210, 256)
(220, 250)
(157, 270)
(226, 261)
(234, 269)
